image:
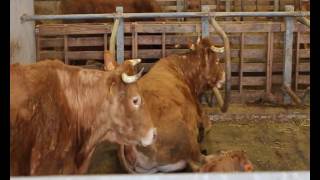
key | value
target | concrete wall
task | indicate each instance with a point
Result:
(22, 41)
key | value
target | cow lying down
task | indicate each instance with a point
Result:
(227, 161)
(59, 113)
(171, 89)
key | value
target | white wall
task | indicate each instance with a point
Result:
(22, 41)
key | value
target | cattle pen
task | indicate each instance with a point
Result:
(269, 76)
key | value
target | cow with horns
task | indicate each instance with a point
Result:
(59, 113)
(171, 89)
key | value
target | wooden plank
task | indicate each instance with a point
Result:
(170, 27)
(304, 79)
(67, 29)
(78, 55)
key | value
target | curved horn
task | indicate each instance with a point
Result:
(217, 49)
(131, 79)
(134, 62)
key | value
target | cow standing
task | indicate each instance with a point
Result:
(171, 89)
(59, 113)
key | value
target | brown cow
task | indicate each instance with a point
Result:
(107, 6)
(59, 113)
(171, 89)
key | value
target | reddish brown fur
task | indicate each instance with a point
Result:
(171, 88)
(108, 6)
(59, 113)
(229, 161)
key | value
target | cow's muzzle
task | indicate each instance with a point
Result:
(149, 138)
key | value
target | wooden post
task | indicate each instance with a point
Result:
(22, 34)
(120, 37)
(205, 22)
(288, 46)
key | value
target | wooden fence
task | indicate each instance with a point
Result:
(256, 49)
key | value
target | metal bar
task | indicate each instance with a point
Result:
(297, 62)
(136, 43)
(163, 43)
(288, 44)
(205, 22)
(269, 62)
(242, 9)
(276, 5)
(227, 63)
(120, 37)
(241, 63)
(38, 48)
(112, 43)
(228, 8)
(65, 44)
(163, 15)
(133, 31)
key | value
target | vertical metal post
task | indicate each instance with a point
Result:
(297, 69)
(38, 48)
(163, 44)
(288, 46)
(276, 5)
(120, 37)
(269, 62)
(65, 45)
(241, 64)
(205, 22)
(22, 35)
(228, 8)
(180, 7)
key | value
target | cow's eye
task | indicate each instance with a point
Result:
(136, 101)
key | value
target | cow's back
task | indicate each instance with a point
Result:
(33, 120)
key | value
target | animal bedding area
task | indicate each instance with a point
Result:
(274, 138)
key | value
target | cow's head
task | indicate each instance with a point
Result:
(131, 120)
(212, 71)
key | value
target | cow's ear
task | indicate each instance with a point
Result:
(109, 61)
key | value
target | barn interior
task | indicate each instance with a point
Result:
(270, 123)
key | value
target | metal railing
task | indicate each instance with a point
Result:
(289, 18)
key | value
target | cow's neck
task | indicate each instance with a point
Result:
(84, 100)
(192, 72)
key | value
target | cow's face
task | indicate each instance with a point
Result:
(131, 120)
(213, 72)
